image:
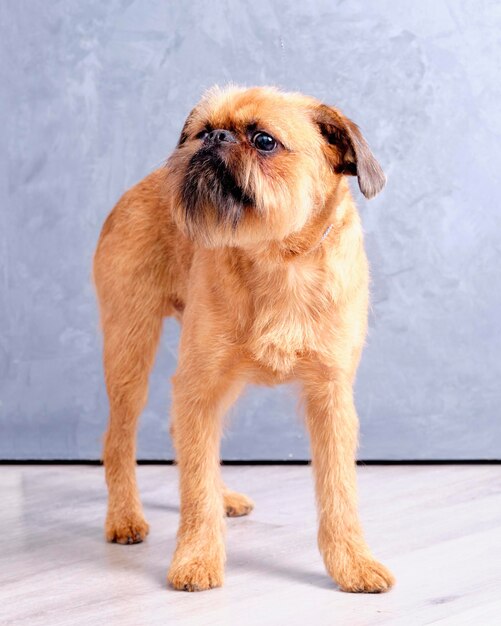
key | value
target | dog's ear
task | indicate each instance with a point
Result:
(347, 150)
(184, 133)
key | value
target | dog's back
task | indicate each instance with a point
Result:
(142, 259)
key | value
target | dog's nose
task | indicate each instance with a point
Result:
(220, 135)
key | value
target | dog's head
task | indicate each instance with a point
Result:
(255, 165)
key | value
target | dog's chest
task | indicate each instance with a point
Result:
(289, 310)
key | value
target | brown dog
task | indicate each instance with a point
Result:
(249, 234)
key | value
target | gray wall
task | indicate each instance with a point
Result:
(93, 95)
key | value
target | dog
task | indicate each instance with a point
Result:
(249, 236)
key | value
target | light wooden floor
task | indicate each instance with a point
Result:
(437, 527)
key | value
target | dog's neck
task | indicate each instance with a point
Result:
(314, 243)
(317, 233)
(319, 243)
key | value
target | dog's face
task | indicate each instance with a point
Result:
(255, 165)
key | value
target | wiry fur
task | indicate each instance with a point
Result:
(231, 242)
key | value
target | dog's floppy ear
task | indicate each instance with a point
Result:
(348, 151)
(184, 132)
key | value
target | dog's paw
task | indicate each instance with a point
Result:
(363, 575)
(126, 529)
(196, 574)
(237, 504)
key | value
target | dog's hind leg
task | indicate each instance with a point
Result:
(132, 298)
(130, 342)
(236, 504)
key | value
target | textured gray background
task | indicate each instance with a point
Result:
(93, 95)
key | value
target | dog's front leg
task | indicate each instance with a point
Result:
(201, 393)
(333, 426)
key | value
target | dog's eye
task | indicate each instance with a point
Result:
(202, 134)
(264, 142)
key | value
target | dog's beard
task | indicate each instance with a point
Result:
(209, 184)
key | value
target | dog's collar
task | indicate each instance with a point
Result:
(297, 250)
(321, 240)
(327, 231)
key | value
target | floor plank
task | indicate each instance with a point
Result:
(437, 527)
